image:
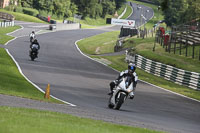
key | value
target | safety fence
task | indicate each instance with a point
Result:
(6, 23)
(7, 20)
(179, 76)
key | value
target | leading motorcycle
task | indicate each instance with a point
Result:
(121, 93)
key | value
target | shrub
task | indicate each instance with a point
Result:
(29, 11)
(9, 8)
(18, 9)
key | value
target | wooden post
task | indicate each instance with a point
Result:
(193, 50)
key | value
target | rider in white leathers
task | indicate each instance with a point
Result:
(130, 72)
(32, 34)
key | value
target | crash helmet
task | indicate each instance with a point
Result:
(35, 41)
(33, 32)
(131, 67)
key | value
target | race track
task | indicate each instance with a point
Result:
(81, 81)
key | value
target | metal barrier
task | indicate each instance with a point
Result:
(8, 19)
(178, 76)
(6, 24)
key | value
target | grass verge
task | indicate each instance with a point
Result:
(99, 44)
(17, 120)
(128, 12)
(3, 31)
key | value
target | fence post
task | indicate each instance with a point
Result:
(199, 54)
(193, 50)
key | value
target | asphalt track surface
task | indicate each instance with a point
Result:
(81, 81)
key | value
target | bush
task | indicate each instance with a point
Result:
(29, 11)
(44, 13)
(9, 8)
(18, 9)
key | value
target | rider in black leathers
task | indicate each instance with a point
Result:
(35, 46)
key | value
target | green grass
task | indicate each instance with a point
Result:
(18, 120)
(121, 10)
(144, 47)
(23, 17)
(3, 37)
(128, 12)
(100, 44)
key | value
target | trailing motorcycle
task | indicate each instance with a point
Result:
(121, 93)
(33, 53)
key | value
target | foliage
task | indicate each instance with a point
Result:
(18, 9)
(180, 11)
(119, 3)
(67, 8)
(30, 11)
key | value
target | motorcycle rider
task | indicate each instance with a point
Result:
(35, 46)
(130, 72)
(32, 35)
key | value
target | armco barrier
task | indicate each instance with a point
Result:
(8, 19)
(179, 76)
(6, 24)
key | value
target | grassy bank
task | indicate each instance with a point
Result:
(23, 17)
(12, 82)
(17, 120)
(144, 47)
(100, 44)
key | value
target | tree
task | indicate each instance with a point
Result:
(172, 10)
(119, 3)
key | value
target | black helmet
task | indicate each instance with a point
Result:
(131, 67)
(33, 32)
(35, 41)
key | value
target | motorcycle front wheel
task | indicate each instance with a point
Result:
(120, 101)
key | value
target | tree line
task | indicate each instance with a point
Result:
(180, 11)
(67, 8)
(175, 11)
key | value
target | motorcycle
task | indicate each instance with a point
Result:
(121, 93)
(33, 53)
